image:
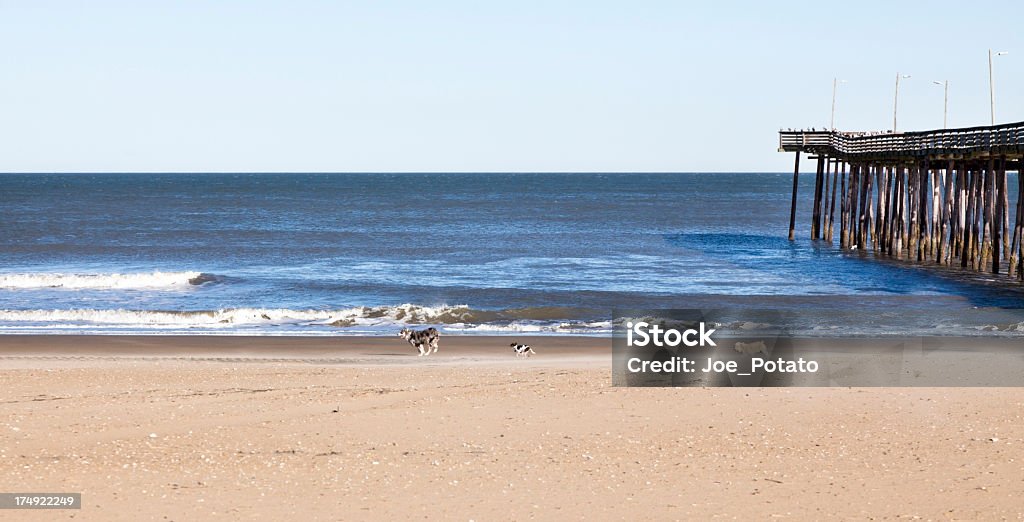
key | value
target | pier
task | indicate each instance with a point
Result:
(937, 196)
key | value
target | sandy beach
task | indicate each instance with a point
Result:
(191, 428)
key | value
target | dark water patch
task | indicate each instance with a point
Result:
(204, 278)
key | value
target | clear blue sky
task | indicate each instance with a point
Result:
(479, 86)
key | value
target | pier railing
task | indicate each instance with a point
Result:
(981, 141)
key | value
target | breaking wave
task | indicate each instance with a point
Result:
(456, 319)
(142, 280)
(363, 319)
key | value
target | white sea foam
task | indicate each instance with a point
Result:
(535, 327)
(364, 319)
(157, 318)
(142, 280)
(231, 316)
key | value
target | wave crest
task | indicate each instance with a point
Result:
(141, 280)
(454, 318)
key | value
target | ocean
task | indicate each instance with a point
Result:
(366, 254)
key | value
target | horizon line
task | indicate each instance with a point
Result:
(397, 172)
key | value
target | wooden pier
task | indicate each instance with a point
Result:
(936, 196)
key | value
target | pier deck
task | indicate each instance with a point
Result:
(966, 143)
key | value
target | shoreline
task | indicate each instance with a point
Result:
(371, 350)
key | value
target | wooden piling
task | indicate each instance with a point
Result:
(842, 209)
(816, 213)
(870, 217)
(1005, 217)
(962, 177)
(822, 214)
(1015, 258)
(987, 216)
(1019, 235)
(915, 210)
(854, 215)
(883, 225)
(862, 214)
(969, 220)
(997, 225)
(923, 213)
(877, 214)
(792, 208)
(980, 214)
(935, 221)
(832, 202)
(899, 212)
(946, 212)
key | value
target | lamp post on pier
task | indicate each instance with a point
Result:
(992, 85)
(835, 87)
(896, 99)
(945, 100)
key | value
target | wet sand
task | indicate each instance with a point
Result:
(191, 428)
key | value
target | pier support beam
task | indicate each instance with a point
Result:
(1019, 234)
(818, 186)
(851, 208)
(943, 229)
(1006, 207)
(863, 205)
(1015, 246)
(997, 223)
(843, 206)
(832, 202)
(792, 207)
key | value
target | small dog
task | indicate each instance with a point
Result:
(422, 340)
(522, 349)
(751, 348)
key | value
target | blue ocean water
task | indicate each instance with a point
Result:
(336, 254)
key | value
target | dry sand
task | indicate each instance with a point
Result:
(192, 428)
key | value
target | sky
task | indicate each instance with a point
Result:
(470, 86)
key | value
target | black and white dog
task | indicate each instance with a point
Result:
(522, 350)
(422, 340)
